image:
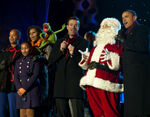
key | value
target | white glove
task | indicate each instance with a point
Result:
(106, 55)
(85, 54)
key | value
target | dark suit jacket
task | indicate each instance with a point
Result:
(135, 71)
(68, 73)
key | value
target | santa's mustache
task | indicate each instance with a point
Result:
(106, 33)
(107, 30)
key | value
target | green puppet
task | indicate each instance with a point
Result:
(48, 36)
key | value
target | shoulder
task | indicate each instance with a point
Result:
(47, 48)
(61, 39)
(35, 58)
(82, 39)
(2, 50)
(142, 28)
(58, 42)
(18, 47)
(18, 60)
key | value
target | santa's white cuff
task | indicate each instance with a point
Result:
(115, 61)
(83, 64)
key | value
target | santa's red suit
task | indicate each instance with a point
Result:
(101, 84)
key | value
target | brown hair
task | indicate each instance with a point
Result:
(73, 18)
(37, 28)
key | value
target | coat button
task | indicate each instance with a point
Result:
(28, 80)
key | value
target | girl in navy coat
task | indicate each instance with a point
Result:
(27, 82)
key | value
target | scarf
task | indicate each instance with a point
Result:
(70, 41)
(37, 44)
(131, 27)
(12, 49)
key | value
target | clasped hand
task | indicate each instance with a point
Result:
(21, 91)
(65, 45)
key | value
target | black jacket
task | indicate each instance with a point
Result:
(135, 71)
(7, 60)
(68, 72)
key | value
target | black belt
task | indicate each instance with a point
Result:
(102, 66)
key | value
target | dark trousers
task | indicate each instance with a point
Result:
(69, 107)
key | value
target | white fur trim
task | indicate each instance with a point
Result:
(83, 62)
(101, 84)
(115, 61)
(83, 65)
(113, 22)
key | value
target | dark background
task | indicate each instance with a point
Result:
(21, 14)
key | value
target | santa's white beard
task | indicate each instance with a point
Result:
(106, 36)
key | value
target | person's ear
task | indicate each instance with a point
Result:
(67, 26)
(134, 18)
(19, 38)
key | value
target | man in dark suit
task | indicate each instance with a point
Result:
(65, 53)
(8, 56)
(135, 69)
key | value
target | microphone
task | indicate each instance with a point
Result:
(63, 49)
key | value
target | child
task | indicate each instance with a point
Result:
(27, 82)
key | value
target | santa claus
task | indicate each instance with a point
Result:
(103, 65)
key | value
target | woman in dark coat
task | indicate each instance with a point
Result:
(43, 55)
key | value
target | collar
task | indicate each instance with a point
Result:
(74, 37)
(10, 48)
(131, 27)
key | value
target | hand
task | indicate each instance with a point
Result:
(106, 55)
(71, 49)
(63, 45)
(84, 54)
(21, 91)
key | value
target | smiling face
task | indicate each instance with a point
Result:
(128, 19)
(73, 27)
(13, 37)
(25, 49)
(33, 35)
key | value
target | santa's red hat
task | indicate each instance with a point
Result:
(113, 22)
